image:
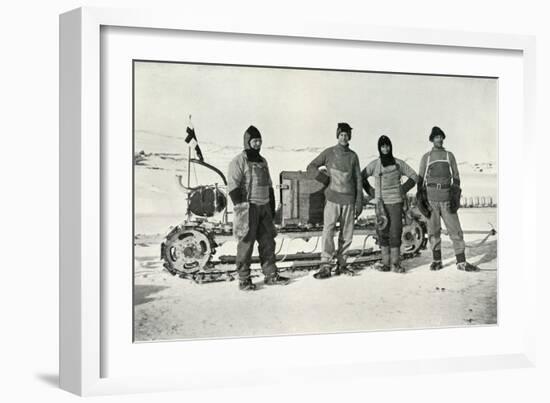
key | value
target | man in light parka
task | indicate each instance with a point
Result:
(251, 191)
(439, 198)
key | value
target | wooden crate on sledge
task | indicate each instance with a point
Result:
(302, 200)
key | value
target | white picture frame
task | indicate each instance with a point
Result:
(84, 345)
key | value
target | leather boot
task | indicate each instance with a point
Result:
(276, 279)
(436, 262)
(436, 265)
(247, 285)
(465, 266)
(395, 257)
(384, 264)
(344, 269)
(324, 272)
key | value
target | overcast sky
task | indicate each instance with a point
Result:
(300, 108)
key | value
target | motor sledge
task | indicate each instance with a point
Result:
(189, 248)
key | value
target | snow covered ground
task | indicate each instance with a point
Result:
(167, 307)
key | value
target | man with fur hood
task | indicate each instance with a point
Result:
(338, 168)
(251, 191)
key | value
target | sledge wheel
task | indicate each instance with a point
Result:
(186, 251)
(413, 238)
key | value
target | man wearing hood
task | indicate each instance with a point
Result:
(338, 168)
(389, 196)
(251, 191)
(439, 183)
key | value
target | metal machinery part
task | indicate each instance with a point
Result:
(187, 250)
(413, 237)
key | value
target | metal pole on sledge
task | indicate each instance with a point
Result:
(189, 171)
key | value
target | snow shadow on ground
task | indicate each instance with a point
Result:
(484, 253)
(148, 261)
(142, 293)
(145, 266)
(488, 250)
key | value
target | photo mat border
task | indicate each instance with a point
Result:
(80, 257)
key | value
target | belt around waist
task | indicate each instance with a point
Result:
(439, 185)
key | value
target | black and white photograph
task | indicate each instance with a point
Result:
(280, 201)
(274, 201)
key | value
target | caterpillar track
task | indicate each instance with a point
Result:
(188, 251)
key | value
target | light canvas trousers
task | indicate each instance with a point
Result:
(334, 213)
(441, 210)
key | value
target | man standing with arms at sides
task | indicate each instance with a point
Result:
(251, 191)
(439, 189)
(342, 176)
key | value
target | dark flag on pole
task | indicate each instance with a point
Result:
(191, 139)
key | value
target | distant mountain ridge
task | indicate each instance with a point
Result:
(166, 145)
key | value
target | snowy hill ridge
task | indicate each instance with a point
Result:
(150, 145)
(158, 158)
